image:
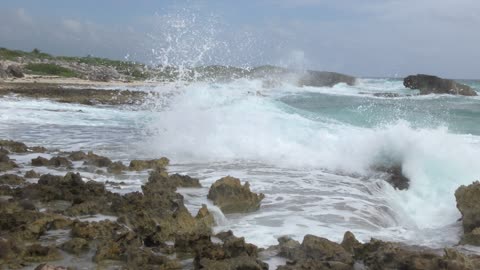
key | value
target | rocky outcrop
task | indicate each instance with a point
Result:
(428, 84)
(54, 162)
(231, 197)
(5, 163)
(314, 253)
(11, 179)
(140, 165)
(324, 79)
(394, 176)
(468, 202)
(19, 147)
(15, 71)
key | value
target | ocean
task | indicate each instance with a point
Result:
(310, 150)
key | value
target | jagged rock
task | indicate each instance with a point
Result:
(231, 197)
(11, 179)
(75, 246)
(39, 253)
(140, 165)
(428, 84)
(468, 202)
(77, 156)
(323, 78)
(395, 176)
(350, 243)
(185, 181)
(104, 229)
(40, 161)
(13, 146)
(233, 254)
(314, 253)
(15, 71)
(117, 167)
(6, 164)
(59, 162)
(379, 255)
(31, 174)
(96, 160)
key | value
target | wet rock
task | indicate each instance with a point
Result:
(9, 251)
(75, 246)
(323, 78)
(6, 164)
(185, 181)
(77, 156)
(96, 160)
(468, 202)
(379, 255)
(104, 229)
(15, 71)
(59, 162)
(40, 161)
(314, 253)
(31, 174)
(140, 165)
(45, 266)
(11, 179)
(350, 243)
(39, 253)
(234, 253)
(428, 84)
(395, 177)
(13, 146)
(231, 197)
(117, 167)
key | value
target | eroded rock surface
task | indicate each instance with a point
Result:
(231, 197)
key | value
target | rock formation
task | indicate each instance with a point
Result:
(428, 84)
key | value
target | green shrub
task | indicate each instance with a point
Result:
(50, 69)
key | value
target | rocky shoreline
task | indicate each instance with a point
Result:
(43, 224)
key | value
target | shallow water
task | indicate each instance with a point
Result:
(308, 149)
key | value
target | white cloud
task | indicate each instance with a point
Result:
(72, 26)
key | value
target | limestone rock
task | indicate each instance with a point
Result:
(231, 197)
(140, 165)
(468, 202)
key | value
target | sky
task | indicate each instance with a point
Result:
(379, 38)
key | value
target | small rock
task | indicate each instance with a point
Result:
(31, 174)
(185, 181)
(117, 167)
(40, 161)
(231, 197)
(75, 246)
(15, 71)
(140, 165)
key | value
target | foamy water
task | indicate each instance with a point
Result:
(309, 150)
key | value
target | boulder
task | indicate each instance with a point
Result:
(314, 253)
(395, 176)
(54, 162)
(428, 84)
(324, 79)
(11, 179)
(185, 181)
(31, 174)
(15, 71)
(468, 202)
(231, 197)
(116, 167)
(13, 146)
(6, 164)
(40, 161)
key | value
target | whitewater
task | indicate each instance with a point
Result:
(310, 150)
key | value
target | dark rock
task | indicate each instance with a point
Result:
(31, 174)
(184, 181)
(324, 79)
(428, 84)
(231, 197)
(468, 202)
(140, 165)
(75, 246)
(6, 164)
(350, 243)
(15, 71)
(117, 167)
(96, 160)
(59, 162)
(13, 146)
(40, 161)
(11, 179)
(77, 156)
(395, 176)
(39, 253)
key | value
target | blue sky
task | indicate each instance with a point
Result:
(359, 37)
